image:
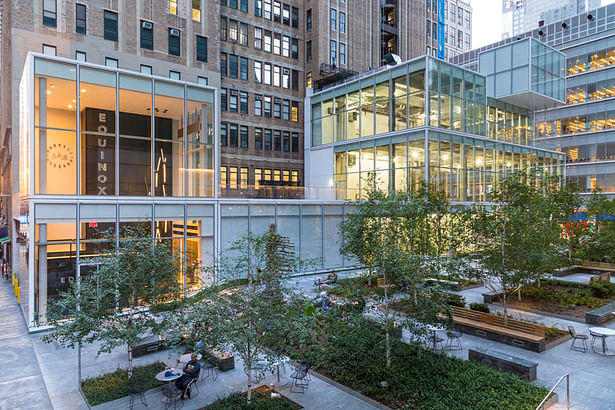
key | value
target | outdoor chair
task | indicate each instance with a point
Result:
(136, 389)
(257, 372)
(193, 385)
(300, 379)
(454, 340)
(433, 341)
(207, 370)
(596, 336)
(575, 337)
(172, 394)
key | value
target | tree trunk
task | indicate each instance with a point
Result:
(504, 303)
(129, 361)
(519, 295)
(249, 383)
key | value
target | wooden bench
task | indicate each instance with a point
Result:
(600, 315)
(517, 333)
(603, 277)
(503, 362)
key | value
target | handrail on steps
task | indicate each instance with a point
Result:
(567, 377)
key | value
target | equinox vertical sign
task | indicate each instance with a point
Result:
(100, 152)
(441, 28)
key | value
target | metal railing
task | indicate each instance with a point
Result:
(548, 396)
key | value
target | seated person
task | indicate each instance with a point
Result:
(191, 372)
(331, 278)
(403, 285)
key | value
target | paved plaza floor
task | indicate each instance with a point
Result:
(44, 376)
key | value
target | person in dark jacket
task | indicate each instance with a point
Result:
(191, 372)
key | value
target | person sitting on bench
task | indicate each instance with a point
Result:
(330, 279)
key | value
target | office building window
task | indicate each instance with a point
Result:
(146, 69)
(267, 107)
(223, 29)
(223, 177)
(223, 64)
(174, 42)
(267, 146)
(49, 50)
(286, 110)
(258, 139)
(277, 43)
(295, 17)
(342, 53)
(285, 78)
(232, 101)
(333, 19)
(258, 74)
(243, 137)
(428, 28)
(201, 49)
(286, 142)
(243, 68)
(308, 80)
(80, 56)
(294, 177)
(258, 8)
(111, 62)
(294, 48)
(202, 80)
(232, 66)
(333, 51)
(267, 9)
(110, 25)
(80, 18)
(147, 35)
(223, 134)
(173, 7)
(223, 99)
(342, 22)
(285, 46)
(276, 75)
(50, 13)
(277, 11)
(294, 111)
(308, 20)
(267, 74)
(232, 177)
(277, 108)
(232, 30)
(277, 145)
(243, 178)
(295, 142)
(243, 103)
(258, 105)
(308, 51)
(175, 75)
(258, 38)
(196, 10)
(286, 14)
(267, 47)
(258, 174)
(243, 5)
(434, 31)
(232, 135)
(243, 34)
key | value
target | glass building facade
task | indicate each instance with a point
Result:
(427, 121)
(103, 150)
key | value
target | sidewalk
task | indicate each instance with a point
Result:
(21, 382)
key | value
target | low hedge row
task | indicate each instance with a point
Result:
(261, 400)
(113, 386)
(354, 355)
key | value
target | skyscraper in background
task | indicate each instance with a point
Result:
(519, 16)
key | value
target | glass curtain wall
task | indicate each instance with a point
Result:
(95, 134)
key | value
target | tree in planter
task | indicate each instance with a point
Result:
(599, 241)
(259, 320)
(109, 304)
(393, 236)
(520, 236)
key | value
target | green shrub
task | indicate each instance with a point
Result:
(354, 354)
(480, 307)
(113, 386)
(455, 300)
(261, 400)
(602, 289)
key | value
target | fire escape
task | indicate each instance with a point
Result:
(389, 32)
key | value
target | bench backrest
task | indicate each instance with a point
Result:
(500, 321)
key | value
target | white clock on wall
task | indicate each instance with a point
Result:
(59, 155)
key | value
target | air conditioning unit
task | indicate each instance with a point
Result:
(174, 32)
(147, 25)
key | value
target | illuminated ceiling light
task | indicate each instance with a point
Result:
(415, 154)
(83, 90)
(70, 106)
(479, 161)
(74, 101)
(48, 92)
(52, 86)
